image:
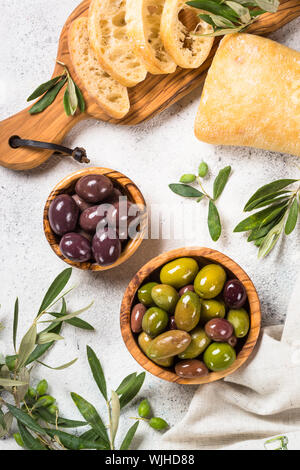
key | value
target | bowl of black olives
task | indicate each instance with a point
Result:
(191, 316)
(95, 219)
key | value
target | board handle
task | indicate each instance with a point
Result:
(50, 126)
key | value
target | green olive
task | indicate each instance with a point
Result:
(53, 409)
(199, 343)
(144, 294)
(144, 409)
(47, 400)
(240, 322)
(42, 387)
(179, 272)
(19, 439)
(165, 297)
(219, 356)
(212, 309)
(158, 423)
(144, 340)
(155, 321)
(168, 344)
(187, 312)
(210, 281)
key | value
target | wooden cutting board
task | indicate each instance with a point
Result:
(147, 99)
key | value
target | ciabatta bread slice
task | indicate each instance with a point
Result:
(178, 23)
(109, 94)
(143, 25)
(110, 41)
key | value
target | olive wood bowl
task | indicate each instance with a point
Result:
(127, 188)
(151, 271)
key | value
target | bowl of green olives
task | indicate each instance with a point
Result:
(95, 219)
(191, 316)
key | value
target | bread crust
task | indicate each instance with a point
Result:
(143, 19)
(111, 44)
(111, 96)
(187, 51)
(251, 96)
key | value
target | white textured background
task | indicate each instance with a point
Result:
(153, 155)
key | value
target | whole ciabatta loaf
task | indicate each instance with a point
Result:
(143, 19)
(186, 49)
(110, 95)
(110, 41)
(251, 96)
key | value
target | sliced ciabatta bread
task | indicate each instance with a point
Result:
(109, 94)
(179, 22)
(110, 41)
(143, 25)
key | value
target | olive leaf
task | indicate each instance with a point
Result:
(261, 218)
(221, 181)
(15, 324)
(25, 419)
(23, 376)
(185, 190)
(30, 442)
(115, 415)
(69, 441)
(242, 12)
(267, 190)
(72, 95)
(292, 218)
(48, 98)
(133, 390)
(62, 367)
(55, 289)
(70, 315)
(44, 338)
(66, 102)
(46, 416)
(126, 383)
(76, 322)
(268, 5)
(81, 102)
(129, 437)
(42, 348)
(7, 421)
(44, 87)
(270, 240)
(214, 223)
(92, 417)
(97, 371)
(27, 346)
(11, 382)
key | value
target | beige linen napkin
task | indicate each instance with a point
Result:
(258, 406)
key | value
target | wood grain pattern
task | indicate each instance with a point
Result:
(67, 185)
(203, 256)
(147, 99)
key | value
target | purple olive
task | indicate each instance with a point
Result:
(188, 288)
(137, 316)
(172, 323)
(94, 188)
(232, 341)
(190, 368)
(63, 214)
(75, 247)
(106, 247)
(234, 294)
(90, 218)
(121, 215)
(219, 329)
(114, 197)
(81, 203)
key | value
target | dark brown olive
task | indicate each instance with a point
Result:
(94, 188)
(121, 215)
(191, 368)
(114, 197)
(219, 329)
(137, 316)
(81, 203)
(75, 247)
(188, 288)
(106, 247)
(63, 214)
(232, 341)
(234, 294)
(90, 218)
(172, 323)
